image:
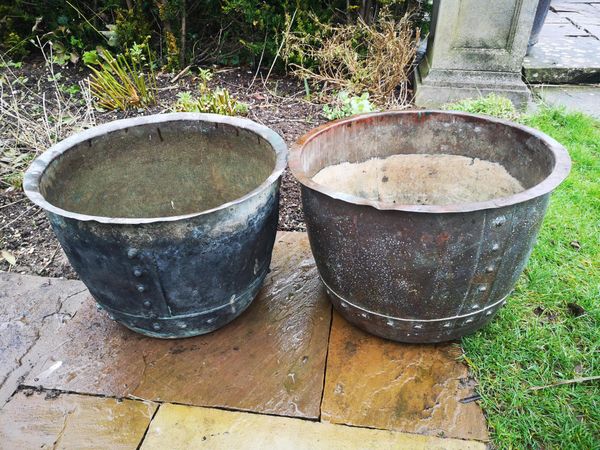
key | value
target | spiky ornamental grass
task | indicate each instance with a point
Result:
(123, 81)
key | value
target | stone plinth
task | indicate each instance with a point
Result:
(475, 47)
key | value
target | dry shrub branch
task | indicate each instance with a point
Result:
(32, 121)
(359, 58)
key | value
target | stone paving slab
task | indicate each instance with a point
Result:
(561, 30)
(372, 382)
(561, 60)
(555, 18)
(68, 421)
(183, 427)
(270, 360)
(568, 50)
(579, 13)
(593, 29)
(32, 311)
(585, 99)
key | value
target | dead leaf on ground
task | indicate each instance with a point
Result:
(576, 245)
(9, 257)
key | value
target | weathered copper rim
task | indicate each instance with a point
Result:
(33, 176)
(562, 166)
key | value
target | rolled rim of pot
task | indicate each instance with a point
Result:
(35, 172)
(560, 169)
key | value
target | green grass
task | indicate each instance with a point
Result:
(492, 105)
(536, 339)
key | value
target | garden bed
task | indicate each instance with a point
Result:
(279, 104)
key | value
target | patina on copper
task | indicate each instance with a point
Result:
(169, 220)
(424, 273)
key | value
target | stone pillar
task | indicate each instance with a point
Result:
(475, 47)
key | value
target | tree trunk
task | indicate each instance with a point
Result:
(367, 11)
(183, 33)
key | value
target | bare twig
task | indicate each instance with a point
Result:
(88, 22)
(180, 74)
(283, 41)
(470, 399)
(13, 203)
(49, 260)
(560, 383)
(16, 218)
(262, 54)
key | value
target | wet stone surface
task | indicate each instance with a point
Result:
(568, 50)
(376, 383)
(270, 360)
(32, 311)
(36, 420)
(184, 427)
(585, 99)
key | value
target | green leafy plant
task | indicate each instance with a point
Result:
(130, 23)
(346, 105)
(10, 64)
(218, 101)
(492, 105)
(15, 179)
(261, 26)
(205, 75)
(72, 89)
(123, 81)
(14, 45)
(65, 47)
(183, 31)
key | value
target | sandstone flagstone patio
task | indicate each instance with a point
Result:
(287, 355)
(35, 420)
(584, 98)
(271, 360)
(183, 427)
(377, 383)
(32, 311)
(568, 50)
